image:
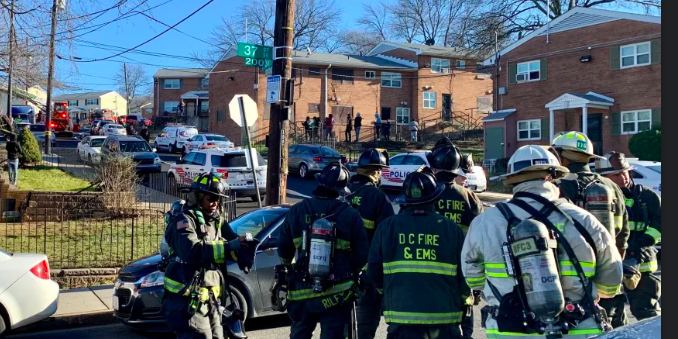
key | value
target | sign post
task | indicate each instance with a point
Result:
(243, 111)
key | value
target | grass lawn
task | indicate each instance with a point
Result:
(49, 179)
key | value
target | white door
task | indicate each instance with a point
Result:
(187, 170)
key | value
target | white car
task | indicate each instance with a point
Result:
(27, 294)
(89, 149)
(173, 138)
(114, 129)
(206, 140)
(403, 164)
(648, 174)
(232, 165)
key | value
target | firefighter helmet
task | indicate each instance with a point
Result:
(574, 141)
(446, 158)
(335, 177)
(208, 183)
(532, 158)
(420, 188)
(372, 158)
(612, 163)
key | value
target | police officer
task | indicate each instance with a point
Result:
(645, 220)
(532, 170)
(193, 282)
(575, 151)
(458, 204)
(331, 306)
(374, 207)
(415, 260)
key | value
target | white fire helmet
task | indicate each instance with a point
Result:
(574, 141)
(533, 158)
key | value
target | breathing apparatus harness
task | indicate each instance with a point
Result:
(514, 313)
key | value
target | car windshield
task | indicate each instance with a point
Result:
(97, 142)
(37, 128)
(229, 160)
(657, 169)
(115, 127)
(134, 147)
(256, 221)
(328, 152)
(216, 138)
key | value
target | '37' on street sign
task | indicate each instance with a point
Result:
(255, 51)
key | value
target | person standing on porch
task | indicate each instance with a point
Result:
(414, 128)
(377, 126)
(349, 127)
(358, 126)
(308, 126)
(315, 127)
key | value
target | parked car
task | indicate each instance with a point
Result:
(39, 132)
(136, 148)
(84, 131)
(99, 128)
(27, 294)
(476, 180)
(308, 159)
(648, 174)
(173, 138)
(89, 149)
(132, 118)
(400, 166)
(137, 294)
(232, 165)
(114, 129)
(206, 140)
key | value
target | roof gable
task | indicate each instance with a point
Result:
(181, 73)
(442, 51)
(85, 95)
(578, 17)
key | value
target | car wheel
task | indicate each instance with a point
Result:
(172, 148)
(3, 327)
(303, 170)
(240, 302)
(155, 145)
(263, 197)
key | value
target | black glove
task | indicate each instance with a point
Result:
(647, 254)
(476, 297)
(245, 257)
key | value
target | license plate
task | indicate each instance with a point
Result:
(248, 175)
(116, 303)
(472, 187)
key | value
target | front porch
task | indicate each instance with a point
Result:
(196, 109)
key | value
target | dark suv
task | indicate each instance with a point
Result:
(136, 148)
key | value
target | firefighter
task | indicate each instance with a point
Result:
(415, 260)
(374, 207)
(328, 240)
(576, 151)
(193, 281)
(645, 221)
(531, 172)
(458, 204)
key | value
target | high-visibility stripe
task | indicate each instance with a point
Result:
(308, 293)
(203, 181)
(173, 286)
(297, 242)
(369, 224)
(636, 225)
(567, 269)
(518, 334)
(343, 245)
(205, 292)
(218, 250)
(496, 270)
(650, 266)
(630, 202)
(417, 318)
(413, 266)
(380, 290)
(608, 290)
(618, 221)
(574, 274)
(475, 282)
(654, 233)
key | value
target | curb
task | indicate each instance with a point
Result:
(69, 321)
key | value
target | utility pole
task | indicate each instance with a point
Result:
(50, 76)
(276, 183)
(11, 60)
(124, 70)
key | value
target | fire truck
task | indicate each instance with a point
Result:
(62, 123)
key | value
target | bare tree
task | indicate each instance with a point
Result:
(359, 42)
(375, 20)
(137, 81)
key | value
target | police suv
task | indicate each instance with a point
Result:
(393, 176)
(233, 165)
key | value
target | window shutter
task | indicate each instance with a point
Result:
(97, 101)
(656, 47)
(545, 133)
(181, 83)
(513, 71)
(543, 69)
(615, 58)
(616, 124)
(657, 117)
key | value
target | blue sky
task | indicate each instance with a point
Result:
(97, 76)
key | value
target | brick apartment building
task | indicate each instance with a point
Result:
(599, 73)
(400, 81)
(190, 86)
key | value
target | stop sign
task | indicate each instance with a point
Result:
(248, 109)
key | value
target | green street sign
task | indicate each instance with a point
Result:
(255, 51)
(265, 64)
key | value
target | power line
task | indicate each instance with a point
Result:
(151, 39)
(180, 31)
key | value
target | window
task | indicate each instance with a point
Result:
(172, 83)
(200, 159)
(635, 122)
(529, 71)
(635, 55)
(204, 107)
(190, 158)
(205, 83)
(342, 76)
(293, 150)
(89, 102)
(391, 80)
(257, 221)
(370, 75)
(171, 106)
(438, 65)
(636, 175)
(402, 115)
(72, 102)
(460, 64)
(96, 142)
(529, 130)
(313, 108)
(134, 146)
(414, 160)
(312, 71)
(430, 100)
(398, 160)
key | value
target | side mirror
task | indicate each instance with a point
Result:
(181, 161)
(155, 150)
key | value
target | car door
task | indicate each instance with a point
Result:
(82, 148)
(185, 170)
(391, 176)
(265, 260)
(293, 158)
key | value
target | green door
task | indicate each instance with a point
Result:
(494, 143)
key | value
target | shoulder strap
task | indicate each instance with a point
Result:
(509, 216)
(350, 196)
(586, 283)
